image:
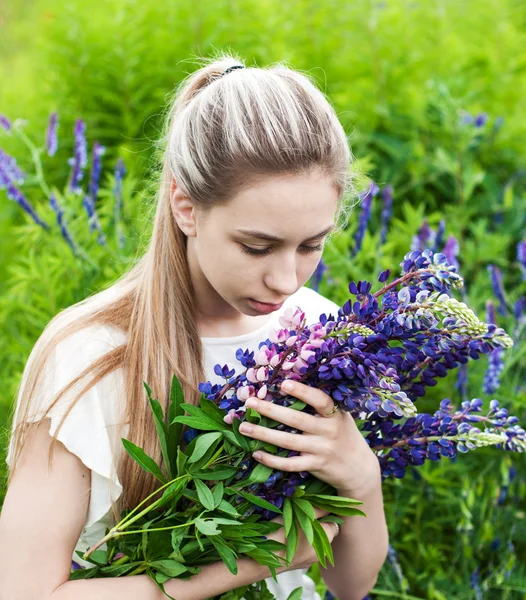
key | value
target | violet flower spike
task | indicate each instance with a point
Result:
(317, 276)
(491, 381)
(5, 123)
(120, 171)
(51, 135)
(451, 250)
(10, 172)
(365, 215)
(521, 257)
(498, 288)
(387, 195)
(13, 193)
(61, 223)
(80, 157)
(439, 239)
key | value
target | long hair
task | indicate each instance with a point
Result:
(220, 135)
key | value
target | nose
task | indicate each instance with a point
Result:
(282, 278)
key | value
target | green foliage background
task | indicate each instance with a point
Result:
(400, 75)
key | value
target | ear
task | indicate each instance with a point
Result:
(183, 210)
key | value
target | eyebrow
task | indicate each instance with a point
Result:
(272, 238)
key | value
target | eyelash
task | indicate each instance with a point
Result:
(253, 252)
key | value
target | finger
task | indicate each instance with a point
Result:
(331, 529)
(288, 416)
(320, 512)
(304, 462)
(283, 439)
(318, 399)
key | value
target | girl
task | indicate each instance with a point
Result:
(254, 178)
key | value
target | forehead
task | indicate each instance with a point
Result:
(286, 206)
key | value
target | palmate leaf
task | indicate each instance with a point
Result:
(305, 522)
(229, 556)
(259, 501)
(162, 430)
(143, 460)
(322, 545)
(205, 495)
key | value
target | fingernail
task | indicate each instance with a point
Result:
(286, 385)
(252, 402)
(257, 455)
(245, 428)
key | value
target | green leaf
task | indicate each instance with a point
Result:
(202, 423)
(218, 493)
(305, 506)
(305, 521)
(215, 473)
(227, 508)
(259, 501)
(173, 492)
(203, 443)
(204, 494)
(212, 411)
(336, 500)
(228, 555)
(143, 460)
(287, 515)
(244, 442)
(162, 431)
(259, 474)
(292, 542)
(322, 540)
(344, 511)
(295, 594)
(175, 429)
(207, 527)
(169, 567)
(181, 462)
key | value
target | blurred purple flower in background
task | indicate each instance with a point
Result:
(498, 288)
(521, 257)
(80, 158)
(51, 136)
(317, 276)
(425, 238)
(10, 172)
(120, 171)
(89, 201)
(451, 250)
(387, 195)
(365, 215)
(439, 239)
(60, 221)
(5, 123)
(491, 381)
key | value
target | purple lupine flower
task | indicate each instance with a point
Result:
(5, 123)
(75, 566)
(467, 118)
(317, 276)
(461, 383)
(60, 221)
(439, 239)
(10, 172)
(13, 193)
(96, 165)
(521, 257)
(451, 250)
(120, 171)
(392, 558)
(519, 313)
(480, 120)
(93, 219)
(80, 157)
(496, 360)
(51, 135)
(387, 195)
(498, 288)
(425, 238)
(474, 582)
(365, 215)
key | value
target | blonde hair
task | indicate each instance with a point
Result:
(220, 135)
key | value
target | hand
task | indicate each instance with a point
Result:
(305, 555)
(331, 448)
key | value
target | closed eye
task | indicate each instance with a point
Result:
(265, 251)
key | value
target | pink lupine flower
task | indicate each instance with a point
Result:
(291, 341)
(262, 392)
(262, 374)
(278, 336)
(229, 417)
(245, 392)
(251, 375)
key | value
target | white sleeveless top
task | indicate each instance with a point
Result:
(88, 431)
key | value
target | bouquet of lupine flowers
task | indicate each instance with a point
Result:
(374, 361)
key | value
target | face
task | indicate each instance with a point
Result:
(233, 260)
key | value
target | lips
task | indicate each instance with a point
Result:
(270, 305)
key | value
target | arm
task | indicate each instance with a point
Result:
(361, 547)
(213, 580)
